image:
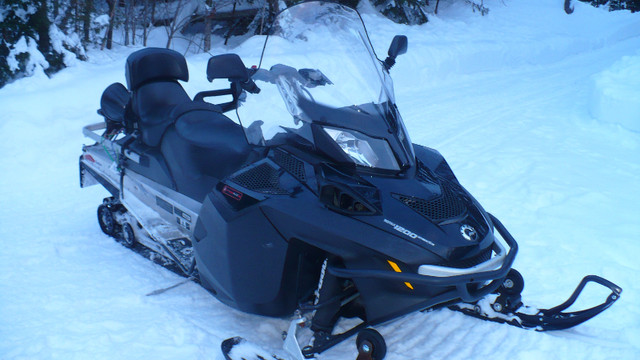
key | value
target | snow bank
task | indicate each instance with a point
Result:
(616, 93)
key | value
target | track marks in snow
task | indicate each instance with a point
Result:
(442, 334)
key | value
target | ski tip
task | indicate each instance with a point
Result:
(228, 344)
(237, 348)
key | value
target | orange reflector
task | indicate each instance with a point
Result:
(396, 268)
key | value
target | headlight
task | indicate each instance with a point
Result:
(364, 150)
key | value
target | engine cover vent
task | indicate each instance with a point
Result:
(447, 206)
(263, 178)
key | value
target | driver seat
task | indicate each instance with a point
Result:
(152, 78)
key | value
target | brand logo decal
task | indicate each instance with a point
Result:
(468, 232)
(232, 193)
(407, 232)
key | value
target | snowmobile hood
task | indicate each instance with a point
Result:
(422, 208)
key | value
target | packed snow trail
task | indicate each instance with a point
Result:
(506, 98)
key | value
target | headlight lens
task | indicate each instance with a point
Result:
(364, 150)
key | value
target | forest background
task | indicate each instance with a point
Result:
(45, 36)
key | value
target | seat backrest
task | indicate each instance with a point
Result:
(113, 102)
(152, 77)
(152, 103)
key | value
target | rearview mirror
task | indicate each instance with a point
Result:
(398, 46)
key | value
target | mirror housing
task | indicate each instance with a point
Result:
(227, 66)
(398, 46)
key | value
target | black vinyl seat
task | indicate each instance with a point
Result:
(186, 145)
(152, 78)
(203, 147)
(153, 104)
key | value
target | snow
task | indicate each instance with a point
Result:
(23, 14)
(616, 93)
(535, 110)
(36, 63)
(101, 20)
(60, 42)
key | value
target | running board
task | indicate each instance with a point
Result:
(160, 236)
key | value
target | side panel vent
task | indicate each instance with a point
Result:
(263, 178)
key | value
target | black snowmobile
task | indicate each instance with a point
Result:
(314, 203)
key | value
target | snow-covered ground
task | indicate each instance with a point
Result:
(537, 112)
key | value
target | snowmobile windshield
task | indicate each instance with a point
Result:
(318, 67)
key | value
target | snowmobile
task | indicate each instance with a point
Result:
(312, 203)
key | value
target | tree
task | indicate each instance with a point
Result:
(26, 45)
(210, 10)
(177, 14)
(87, 10)
(633, 5)
(403, 11)
(108, 39)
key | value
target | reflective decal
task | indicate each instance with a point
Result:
(407, 232)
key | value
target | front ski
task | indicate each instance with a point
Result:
(506, 306)
(238, 348)
(369, 342)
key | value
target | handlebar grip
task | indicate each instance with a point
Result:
(251, 87)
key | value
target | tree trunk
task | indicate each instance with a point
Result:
(133, 22)
(76, 15)
(40, 22)
(145, 22)
(127, 14)
(226, 38)
(207, 26)
(153, 12)
(86, 20)
(108, 39)
(56, 9)
(173, 26)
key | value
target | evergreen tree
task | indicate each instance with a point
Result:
(30, 42)
(403, 11)
(17, 36)
(633, 5)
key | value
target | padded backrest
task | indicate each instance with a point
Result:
(153, 103)
(155, 64)
(152, 75)
(114, 101)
